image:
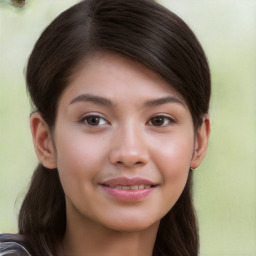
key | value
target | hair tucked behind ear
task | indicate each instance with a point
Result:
(42, 215)
(178, 231)
(139, 29)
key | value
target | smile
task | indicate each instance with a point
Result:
(133, 187)
(128, 189)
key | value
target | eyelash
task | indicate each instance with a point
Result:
(167, 120)
(84, 120)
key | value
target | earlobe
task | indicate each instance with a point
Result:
(201, 142)
(42, 140)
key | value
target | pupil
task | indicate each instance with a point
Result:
(158, 120)
(93, 120)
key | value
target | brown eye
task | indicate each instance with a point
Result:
(161, 121)
(93, 120)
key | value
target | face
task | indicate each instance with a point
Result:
(124, 142)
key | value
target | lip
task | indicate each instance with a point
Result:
(128, 195)
(126, 181)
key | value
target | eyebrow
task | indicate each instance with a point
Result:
(92, 98)
(164, 100)
(106, 102)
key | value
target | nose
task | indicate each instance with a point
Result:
(129, 148)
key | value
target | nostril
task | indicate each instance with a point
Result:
(129, 164)
(128, 158)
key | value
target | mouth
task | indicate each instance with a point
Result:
(127, 187)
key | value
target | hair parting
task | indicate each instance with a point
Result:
(139, 29)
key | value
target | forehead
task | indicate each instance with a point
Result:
(113, 75)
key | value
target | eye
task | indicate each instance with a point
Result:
(93, 120)
(161, 121)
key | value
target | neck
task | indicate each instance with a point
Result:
(90, 239)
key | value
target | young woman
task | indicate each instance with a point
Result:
(121, 92)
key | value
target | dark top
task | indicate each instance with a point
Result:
(12, 247)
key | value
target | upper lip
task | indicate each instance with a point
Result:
(126, 181)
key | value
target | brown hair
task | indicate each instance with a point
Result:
(139, 29)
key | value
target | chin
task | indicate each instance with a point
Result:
(132, 225)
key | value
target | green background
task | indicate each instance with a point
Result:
(224, 185)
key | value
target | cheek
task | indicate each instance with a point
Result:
(173, 162)
(174, 153)
(79, 158)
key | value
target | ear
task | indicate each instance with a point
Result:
(42, 141)
(201, 142)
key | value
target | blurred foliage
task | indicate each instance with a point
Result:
(224, 185)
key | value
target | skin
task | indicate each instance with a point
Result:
(129, 132)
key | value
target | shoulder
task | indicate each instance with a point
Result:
(12, 248)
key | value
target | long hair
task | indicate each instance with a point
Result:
(139, 29)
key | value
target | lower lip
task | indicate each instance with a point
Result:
(128, 195)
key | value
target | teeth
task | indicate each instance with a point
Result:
(133, 187)
(126, 187)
